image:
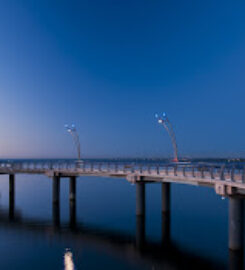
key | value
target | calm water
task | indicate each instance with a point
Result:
(104, 234)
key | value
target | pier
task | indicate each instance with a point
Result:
(226, 181)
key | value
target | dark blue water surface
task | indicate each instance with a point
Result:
(103, 236)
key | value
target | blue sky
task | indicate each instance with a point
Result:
(108, 66)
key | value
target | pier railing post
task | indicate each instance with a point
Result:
(183, 170)
(212, 172)
(202, 171)
(222, 173)
(149, 169)
(11, 195)
(140, 168)
(232, 173)
(175, 170)
(236, 223)
(193, 171)
(157, 168)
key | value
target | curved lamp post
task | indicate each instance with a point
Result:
(163, 120)
(72, 130)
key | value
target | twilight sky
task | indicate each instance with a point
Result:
(108, 66)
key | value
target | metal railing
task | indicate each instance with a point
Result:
(203, 171)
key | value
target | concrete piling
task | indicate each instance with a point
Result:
(236, 223)
(56, 201)
(11, 195)
(165, 213)
(56, 189)
(140, 198)
(165, 197)
(140, 214)
(72, 195)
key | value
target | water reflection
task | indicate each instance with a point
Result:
(56, 214)
(68, 260)
(140, 232)
(136, 250)
(73, 215)
(165, 228)
(11, 196)
(235, 260)
(11, 209)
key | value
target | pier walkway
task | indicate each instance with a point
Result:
(226, 180)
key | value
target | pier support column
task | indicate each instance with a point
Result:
(56, 201)
(56, 189)
(165, 197)
(235, 223)
(165, 213)
(140, 198)
(11, 196)
(72, 197)
(140, 214)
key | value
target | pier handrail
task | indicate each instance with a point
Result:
(193, 170)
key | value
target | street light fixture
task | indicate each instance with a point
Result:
(163, 120)
(73, 131)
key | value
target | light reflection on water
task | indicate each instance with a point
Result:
(68, 260)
